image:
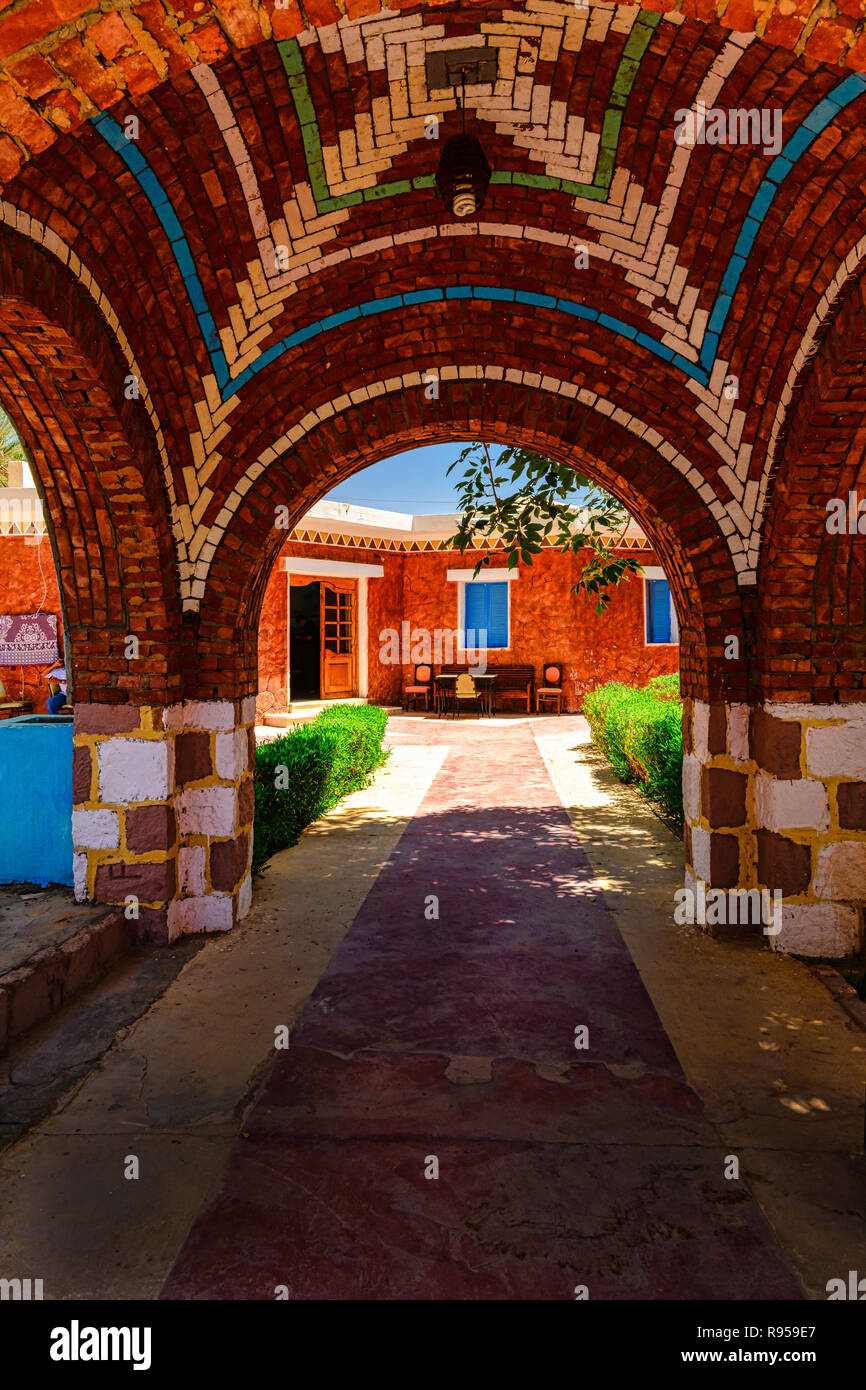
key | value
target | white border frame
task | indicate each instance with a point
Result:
(333, 569)
(486, 576)
(656, 572)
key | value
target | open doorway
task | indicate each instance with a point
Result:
(305, 641)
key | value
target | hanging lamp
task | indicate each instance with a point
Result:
(463, 173)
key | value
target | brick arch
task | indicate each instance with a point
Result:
(683, 532)
(814, 582)
(62, 383)
(55, 78)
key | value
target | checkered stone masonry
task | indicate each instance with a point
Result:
(162, 824)
(775, 797)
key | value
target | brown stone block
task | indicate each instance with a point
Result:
(724, 861)
(81, 775)
(688, 727)
(228, 863)
(105, 719)
(246, 801)
(192, 757)
(149, 882)
(150, 827)
(775, 744)
(783, 864)
(852, 805)
(717, 734)
(723, 796)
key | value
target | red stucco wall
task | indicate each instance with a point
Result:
(21, 589)
(547, 622)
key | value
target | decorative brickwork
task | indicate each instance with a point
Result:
(780, 806)
(162, 824)
(227, 283)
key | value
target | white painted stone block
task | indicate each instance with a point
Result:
(738, 733)
(187, 916)
(172, 718)
(207, 811)
(818, 929)
(95, 830)
(79, 877)
(701, 853)
(701, 730)
(133, 769)
(793, 805)
(245, 896)
(191, 870)
(837, 750)
(840, 872)
(691, 786)
(231, 754)
(248, 710)
(208, 714)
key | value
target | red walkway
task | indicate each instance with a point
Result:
(454, 1039)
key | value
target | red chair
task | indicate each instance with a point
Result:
(422, 684)
(551, 685)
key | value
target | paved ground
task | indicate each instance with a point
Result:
(422, 1042)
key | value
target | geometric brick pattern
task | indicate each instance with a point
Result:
(774, 799)
(163, 810)
(239, 306)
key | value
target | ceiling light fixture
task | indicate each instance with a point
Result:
(463, 173)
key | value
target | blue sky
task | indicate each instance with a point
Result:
(411, 482)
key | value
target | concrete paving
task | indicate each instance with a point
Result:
(419, 1041)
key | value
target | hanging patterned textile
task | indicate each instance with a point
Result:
(28, 639)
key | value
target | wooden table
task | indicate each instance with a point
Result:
(446, 683)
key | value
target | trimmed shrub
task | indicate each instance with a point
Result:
(639, 730)
(324, 760)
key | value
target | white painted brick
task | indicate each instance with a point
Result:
(840, 872)
(231, 754)
(207, 811)
(791, 805)
(738, 733)
(245, 896)
(208, 714)
(95, 829)
(701, 853)
(79, 877)
(187, 916)
(191, 870)
(837, 750)
(691, 786)
(701, 730)
(818, 929)
(133, 769)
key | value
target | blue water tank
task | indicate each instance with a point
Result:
(36, 783)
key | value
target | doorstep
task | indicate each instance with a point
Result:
(51, 948)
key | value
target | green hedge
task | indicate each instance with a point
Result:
(639, 729)
(324, 760)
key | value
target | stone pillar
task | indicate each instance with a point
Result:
(162, 812)
(810, 813)
(774, 797)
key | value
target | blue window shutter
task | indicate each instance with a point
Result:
(486, 612)
(475, 613)
(497, 615)
(658, 610)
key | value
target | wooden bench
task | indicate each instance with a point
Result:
(511, 681)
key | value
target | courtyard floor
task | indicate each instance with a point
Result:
(435, 948)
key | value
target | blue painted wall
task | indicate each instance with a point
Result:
(36, 788)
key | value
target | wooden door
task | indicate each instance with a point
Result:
(339, 639)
